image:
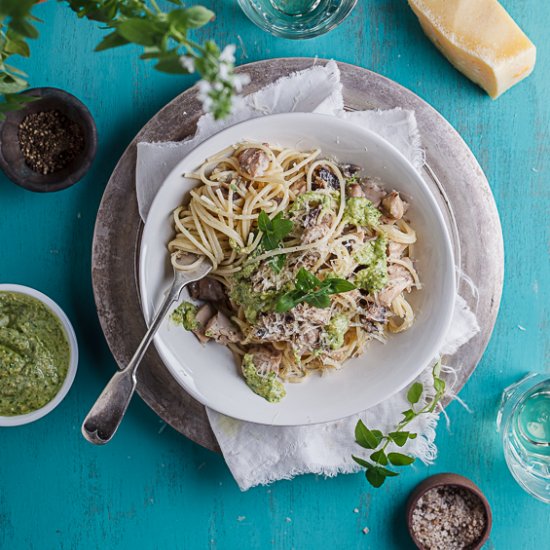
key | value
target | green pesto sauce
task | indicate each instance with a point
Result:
(361, 212)
(185, 315)
(34, 354)
(374, 277)
(265, 385)
(309, 198)
(336, 330)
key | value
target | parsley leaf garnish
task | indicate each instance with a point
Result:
(312, 291)
(274, 231)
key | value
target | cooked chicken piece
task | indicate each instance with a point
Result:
(400, 279)
(307, 314)
(208, 289)
(324, 179)
(393, 205)
(254, 162)
(374, 193)
(314, 233)
(308, 341)
(203, 315)
(221, 329)
(355, 190)
(395, 250)
(266, 359)
(318, 231)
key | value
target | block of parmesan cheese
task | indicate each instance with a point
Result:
(480, 39)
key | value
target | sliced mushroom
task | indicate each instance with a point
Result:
(349, 170)
(355, 190)
(393, 205)
(254, 162)
(324, 179)
(207, 289)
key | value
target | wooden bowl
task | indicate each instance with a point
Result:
(12, 161)
(453, 480)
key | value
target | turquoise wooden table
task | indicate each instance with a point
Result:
(152, 488)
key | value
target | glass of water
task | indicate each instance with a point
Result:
(524, 423)
(297, 18)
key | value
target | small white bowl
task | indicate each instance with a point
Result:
(18, 420)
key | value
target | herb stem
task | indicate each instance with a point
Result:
(156, 6)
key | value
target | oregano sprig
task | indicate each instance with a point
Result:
(16, 27)
(374, 440)
(165, 37)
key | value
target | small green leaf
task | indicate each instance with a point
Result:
(198, 16)
(16, 45)
(305, 280)
(399, 438)
(140, 31)
(277, 262)
(320, 300)
(274, 231)
(377, 475)
(439, 385)
(112, 40)
(365, 437)
(412, 436)
(171, 65)
(398, 459)
(336, 285)
(408, 414)
(285, 303)
(379, 457)
(362, 462)
(414, 393)
(23, 27)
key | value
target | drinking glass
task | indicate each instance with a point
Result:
(524, 422)
(297, 18)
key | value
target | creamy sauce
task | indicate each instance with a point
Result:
(34, 354)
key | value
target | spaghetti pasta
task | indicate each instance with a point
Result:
(340, 227)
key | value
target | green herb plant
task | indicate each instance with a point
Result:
(274, 231)
(377, 442)
(164, 36)
(313, 291)
(16, 26)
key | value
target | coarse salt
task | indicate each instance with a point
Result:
(448, 517)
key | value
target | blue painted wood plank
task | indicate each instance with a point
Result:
(151, 488)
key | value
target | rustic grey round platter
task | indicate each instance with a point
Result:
(451, 171)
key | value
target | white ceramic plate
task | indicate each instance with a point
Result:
(209, 373)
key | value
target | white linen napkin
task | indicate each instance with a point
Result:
(258, 454)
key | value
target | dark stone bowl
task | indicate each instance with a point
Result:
(454, 480)
(12, 161)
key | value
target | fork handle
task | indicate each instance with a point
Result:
(104, 418)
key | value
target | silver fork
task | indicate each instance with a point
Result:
(104, 418)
